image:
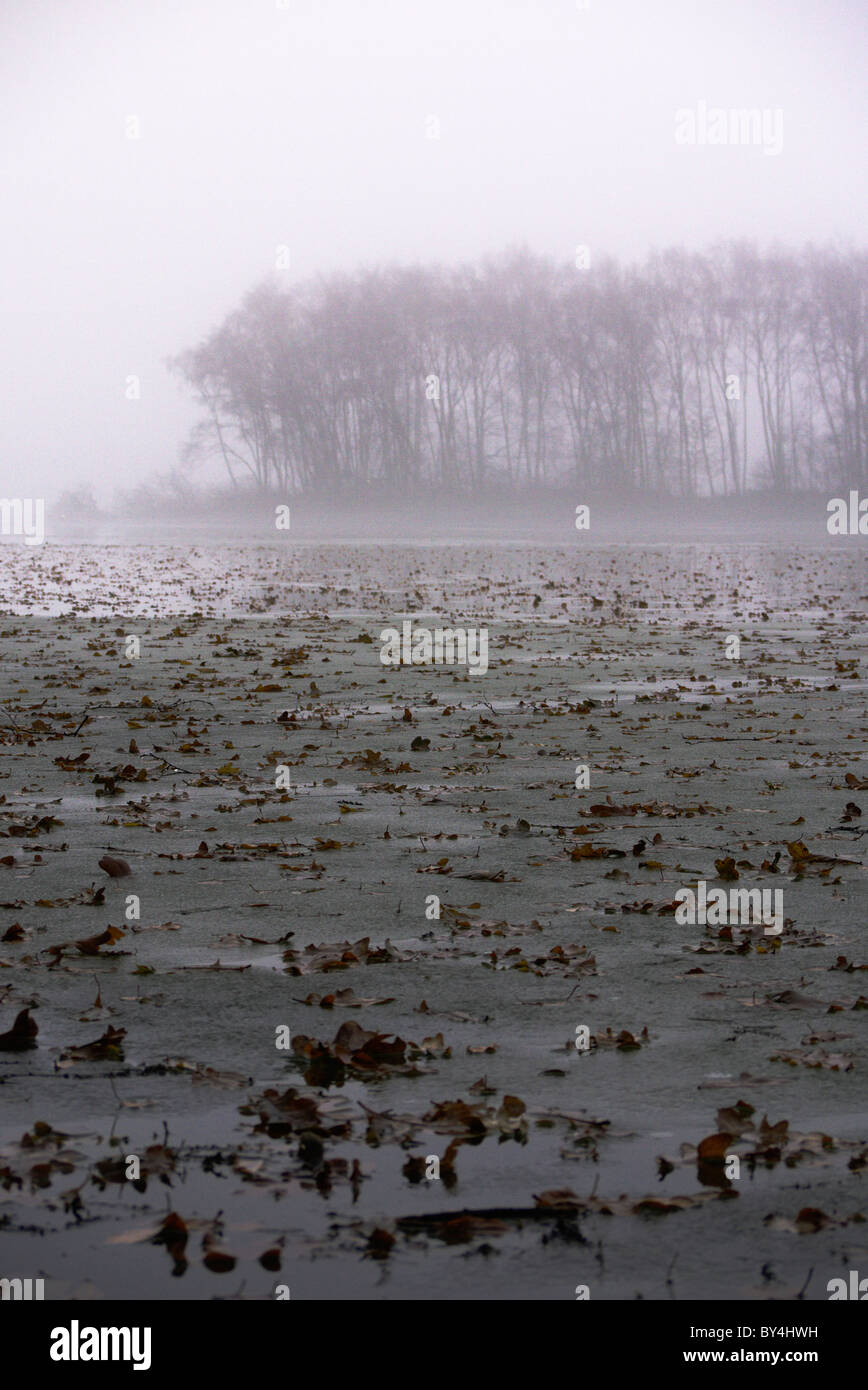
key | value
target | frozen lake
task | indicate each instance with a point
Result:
(152, 693)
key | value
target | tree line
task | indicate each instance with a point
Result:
(690, 374)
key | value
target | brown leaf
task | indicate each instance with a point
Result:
(173, 1234)
(107, 1048)
(512, 1107)
(735, 1119)
(91, 944)
(380, 1243)
(115, 868)
(772, 1135)
(811, 1219)
(21, 1035)
(713, 1148)
(219, 1261)
(726, 868)
(563, 1198)
(799, 850)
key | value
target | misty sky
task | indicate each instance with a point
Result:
(306, 123)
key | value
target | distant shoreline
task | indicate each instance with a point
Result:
(542, 519)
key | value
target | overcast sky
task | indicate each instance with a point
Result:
(308, 124)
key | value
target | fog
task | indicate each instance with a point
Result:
(155, 158)
(432, 697)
